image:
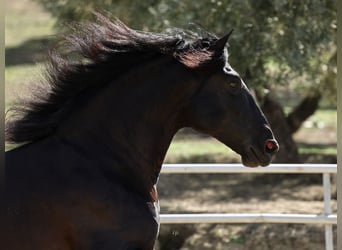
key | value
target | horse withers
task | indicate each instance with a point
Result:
(97, 133)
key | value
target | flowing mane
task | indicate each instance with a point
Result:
(89, 57)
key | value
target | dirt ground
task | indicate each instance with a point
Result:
(247, 193)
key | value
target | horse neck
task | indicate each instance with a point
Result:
(130, 124)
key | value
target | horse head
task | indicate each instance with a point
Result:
(224, 108)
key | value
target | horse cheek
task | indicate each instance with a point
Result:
(208, 116)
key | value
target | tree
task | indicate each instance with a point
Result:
(277, 43)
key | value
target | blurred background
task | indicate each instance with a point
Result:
(286, 52)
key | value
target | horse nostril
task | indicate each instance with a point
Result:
(271, 146)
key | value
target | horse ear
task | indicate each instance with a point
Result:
(221, 42)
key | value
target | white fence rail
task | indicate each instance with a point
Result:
(325, 218)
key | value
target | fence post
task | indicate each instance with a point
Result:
(327, 211)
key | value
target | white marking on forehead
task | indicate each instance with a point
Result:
(225, 54)
(229, 70)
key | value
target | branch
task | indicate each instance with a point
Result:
(304, 110)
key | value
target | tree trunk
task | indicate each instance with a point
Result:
(310, 103)
(288, 152)
(304, 110)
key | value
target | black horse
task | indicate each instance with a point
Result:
(96, 134)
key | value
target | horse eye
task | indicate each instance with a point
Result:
(233, 85)
(234, 82)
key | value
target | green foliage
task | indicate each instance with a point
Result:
(274, 41)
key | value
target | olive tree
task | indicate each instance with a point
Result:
(277, 44)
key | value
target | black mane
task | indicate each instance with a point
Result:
(88, 57)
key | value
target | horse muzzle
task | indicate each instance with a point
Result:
(255, 156)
